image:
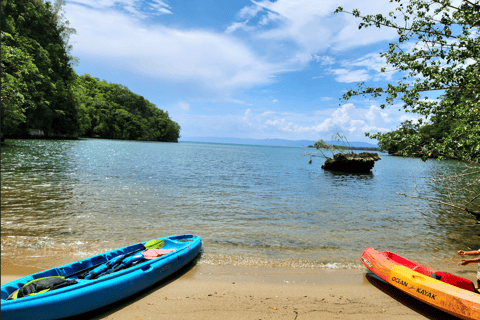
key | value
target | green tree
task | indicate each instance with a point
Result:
(39, 34)
(444, 57)
(16, 66)
(438, 50)
(111, 111)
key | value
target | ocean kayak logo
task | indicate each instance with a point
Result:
(426, 293)
(400, 281)
(419, 290)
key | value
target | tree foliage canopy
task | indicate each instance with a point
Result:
(35, 70)
(40, 89)
(108, 110)
(438, 50)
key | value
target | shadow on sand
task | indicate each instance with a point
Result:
(106, 311)
(424, 309)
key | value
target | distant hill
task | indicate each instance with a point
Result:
(271, 142)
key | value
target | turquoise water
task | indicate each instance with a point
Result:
(252, 205)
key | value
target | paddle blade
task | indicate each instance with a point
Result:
(155, 244)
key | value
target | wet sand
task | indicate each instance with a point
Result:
(230, 292)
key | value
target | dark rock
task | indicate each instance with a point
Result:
(351, 162)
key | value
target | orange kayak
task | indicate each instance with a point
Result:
(449, 293)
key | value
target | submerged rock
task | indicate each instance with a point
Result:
(352, 162)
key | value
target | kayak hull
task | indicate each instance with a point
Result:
(415, 280)
(88, 295)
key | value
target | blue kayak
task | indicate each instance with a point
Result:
(108, 286)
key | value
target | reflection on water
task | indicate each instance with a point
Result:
(252, 205)
(36, 188)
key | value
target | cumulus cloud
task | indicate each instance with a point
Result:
(346, 119)
(375, 114)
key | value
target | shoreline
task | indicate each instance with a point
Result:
(231, 292)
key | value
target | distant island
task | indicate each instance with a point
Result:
(355, 145)
(355, 148)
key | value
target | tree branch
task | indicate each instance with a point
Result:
(473, 4)
(433, 200)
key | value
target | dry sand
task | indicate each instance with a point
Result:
(229, 292)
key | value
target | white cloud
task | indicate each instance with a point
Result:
(345, 119)
(220, 62)
(161, 7)
(135, 7)
(349, 76)
(313, 27)
(324, 60)
(247, 117)
(348, 120)
(184, 106)
(269, 18)
(371, 65)
(277, 37)
(373, 62)
(249, 11)
(375, 114)
(239, 25)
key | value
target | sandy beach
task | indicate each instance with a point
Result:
(231, 292)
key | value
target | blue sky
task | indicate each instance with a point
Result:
(241, 68)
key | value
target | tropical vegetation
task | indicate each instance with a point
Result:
(108, 110)
(42, 92)
(438, 50)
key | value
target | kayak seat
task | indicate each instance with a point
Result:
(454, 280)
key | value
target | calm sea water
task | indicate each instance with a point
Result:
(252, 205)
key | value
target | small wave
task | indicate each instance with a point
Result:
(250, 261)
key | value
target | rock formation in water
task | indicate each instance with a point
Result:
(352, 162)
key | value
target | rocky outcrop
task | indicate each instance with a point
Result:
(370, 155)
(352, 162)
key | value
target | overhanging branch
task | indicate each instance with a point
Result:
(433, 200)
